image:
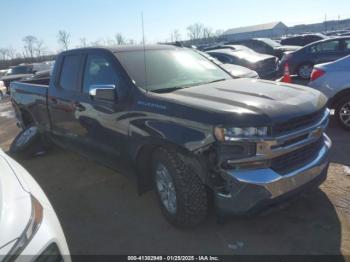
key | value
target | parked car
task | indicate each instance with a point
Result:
(333, 79)
(264, 65)
(182, 124)
(16, 73)
(303, 40)
(235, 70)
(3, 90)
(40, 77)
(266, 46)
(301, 62)
(28, 223)
(3, 72)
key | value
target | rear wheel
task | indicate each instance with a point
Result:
(181, 194)
(27, 143)
(342, 111)
(305, 70)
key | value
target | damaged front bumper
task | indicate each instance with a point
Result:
(248, 191)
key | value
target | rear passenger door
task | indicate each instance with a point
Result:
(63, 99)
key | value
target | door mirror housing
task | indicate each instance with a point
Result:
(103, 92)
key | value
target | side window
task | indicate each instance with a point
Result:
(222, 58)
(347, 45)
(330, 46)
(69, 78)
(98, 71)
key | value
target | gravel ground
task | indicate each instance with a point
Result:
(101, 212)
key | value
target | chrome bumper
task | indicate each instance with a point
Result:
(249, 190)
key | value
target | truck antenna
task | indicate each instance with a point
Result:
(144, 49)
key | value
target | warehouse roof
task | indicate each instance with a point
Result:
(255, 28)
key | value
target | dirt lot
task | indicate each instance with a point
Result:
(101, 213)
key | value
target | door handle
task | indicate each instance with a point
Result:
(54, 100)
(79, 107)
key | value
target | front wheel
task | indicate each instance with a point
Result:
(181, 194)
(305, 70)
(342, 112)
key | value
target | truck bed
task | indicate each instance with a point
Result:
(31, 98)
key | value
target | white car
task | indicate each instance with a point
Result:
(29, 227)
(2, 89)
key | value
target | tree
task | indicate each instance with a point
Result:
(175, 36)
(195, 31)
(39, 48)
(208, 33)
(29, 46)
(119, 39)
(11, 53)
(3, 53)
(83, 42)
(63, 39)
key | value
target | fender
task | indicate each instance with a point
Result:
(145, 136)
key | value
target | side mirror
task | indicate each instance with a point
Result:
(103, 92)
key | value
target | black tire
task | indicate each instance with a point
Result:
(338, 110)
(304, 76)
(30, 147)
(191, 193)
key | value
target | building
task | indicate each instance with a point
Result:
(270, 30)
(326, 26)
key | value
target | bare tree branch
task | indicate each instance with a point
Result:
(63, 39)
(29, 46)
(119, 39)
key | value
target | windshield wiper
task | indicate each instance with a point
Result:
(217, 80)
(167, 90)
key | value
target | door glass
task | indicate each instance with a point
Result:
(330, 46)
(69, 78)
(222, 58)
(347, 45)
(98, 71)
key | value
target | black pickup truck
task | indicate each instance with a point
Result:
(181, 125)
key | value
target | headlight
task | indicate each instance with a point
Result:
(30, 230)
(235, 133)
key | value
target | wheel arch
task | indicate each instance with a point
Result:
(333, 101)
(144, 156)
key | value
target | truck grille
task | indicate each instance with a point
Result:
(296, 159)
(298, 122)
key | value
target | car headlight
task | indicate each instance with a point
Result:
(29, 232)
(235, 133)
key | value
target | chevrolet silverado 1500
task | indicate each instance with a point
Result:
(182, 125)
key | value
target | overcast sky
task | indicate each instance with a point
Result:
(102, 19)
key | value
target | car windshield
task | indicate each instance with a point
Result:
(157, 70)
(270, 42)
(18, 70)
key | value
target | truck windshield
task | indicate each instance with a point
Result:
(170, 69)
(19, 70)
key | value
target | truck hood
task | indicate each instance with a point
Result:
(262, 100)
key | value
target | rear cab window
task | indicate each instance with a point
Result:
(70, 73)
